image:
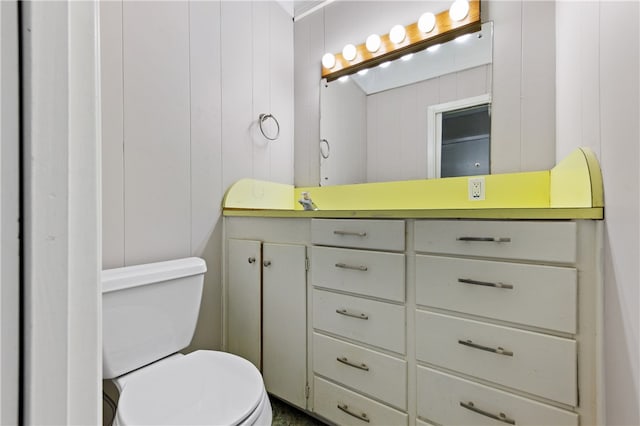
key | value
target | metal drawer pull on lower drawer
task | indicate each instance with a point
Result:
(498, 350)
(351, 233)
(500, 417)
(362, 416)
(485, 283)
(358, 365)
(355, 268)
(485, 239)
(358, 315)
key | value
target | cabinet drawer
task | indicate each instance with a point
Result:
(540, 296)
(541, 241)
(376, 323)
(359, 233)
(539, 364)
(381, 376)
(371, 273)
(446, 399)
(344, 407)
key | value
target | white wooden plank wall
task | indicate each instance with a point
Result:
(185, 82)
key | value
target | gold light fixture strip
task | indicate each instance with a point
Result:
(445, 30)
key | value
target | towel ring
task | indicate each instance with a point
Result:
(323, 153)
(264, 117)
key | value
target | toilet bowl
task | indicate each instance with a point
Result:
(149, 313)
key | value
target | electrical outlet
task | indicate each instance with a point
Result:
(476, 188)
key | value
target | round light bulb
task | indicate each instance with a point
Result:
(459, 10)
(373, 43)
(397, 34)
(349, 52)
(328, 60)
(427, 22)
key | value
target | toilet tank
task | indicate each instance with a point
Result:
(148, 312)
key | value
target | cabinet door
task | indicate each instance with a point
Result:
(284, 327)
(243, 299)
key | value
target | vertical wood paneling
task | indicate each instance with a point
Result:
(236, 82)
(538, 86)
(261, 78)
(157, 131)
(506, 108)
(112, 134)
(282, 93)
(206, 165)
(206, 122)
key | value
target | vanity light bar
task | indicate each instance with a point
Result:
(415, 40)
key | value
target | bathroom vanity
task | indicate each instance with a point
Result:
(425, 316)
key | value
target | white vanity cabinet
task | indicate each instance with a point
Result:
(422, 321)
(506, 321)
(359, 321)
(266, 303)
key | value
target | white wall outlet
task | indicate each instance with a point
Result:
(476, 188)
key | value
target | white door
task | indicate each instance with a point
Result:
(243, 299)
(284, 336)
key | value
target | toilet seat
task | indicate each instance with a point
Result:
(203, 387)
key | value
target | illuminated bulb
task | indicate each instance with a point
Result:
(328, 60)
(373, 43)
(397, 34)
(459, 10)
(407, 57)
(385, 64)
(427, 22)
(349, 52)
(343, 78)
(433, 48)
(363, 72)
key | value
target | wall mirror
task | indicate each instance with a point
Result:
(422, 116)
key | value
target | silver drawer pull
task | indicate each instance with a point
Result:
(502, 417)
(355, 268)
(361, 416)
(267, 263)
(498, 350)
(485, 283)
(351, 233)
(358, 315)
(251, 260)
(359, 365)
(485, 239)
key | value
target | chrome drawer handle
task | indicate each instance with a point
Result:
(267, 263)
(485, 239)
(502, 417)
(485, 283)
(498, 350)
(251, 260)
(355, 268)
(361, 416)
(345, 312)
(358, 365)
(351, 233)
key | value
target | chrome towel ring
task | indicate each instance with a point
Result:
(264, 117)
(325, 153)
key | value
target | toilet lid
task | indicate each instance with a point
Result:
(203, 387)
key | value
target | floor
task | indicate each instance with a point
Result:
(286, 415)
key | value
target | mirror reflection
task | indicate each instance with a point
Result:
(400, 121)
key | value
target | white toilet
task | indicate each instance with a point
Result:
(149, 314)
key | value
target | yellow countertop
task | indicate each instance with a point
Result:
(571, 190)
